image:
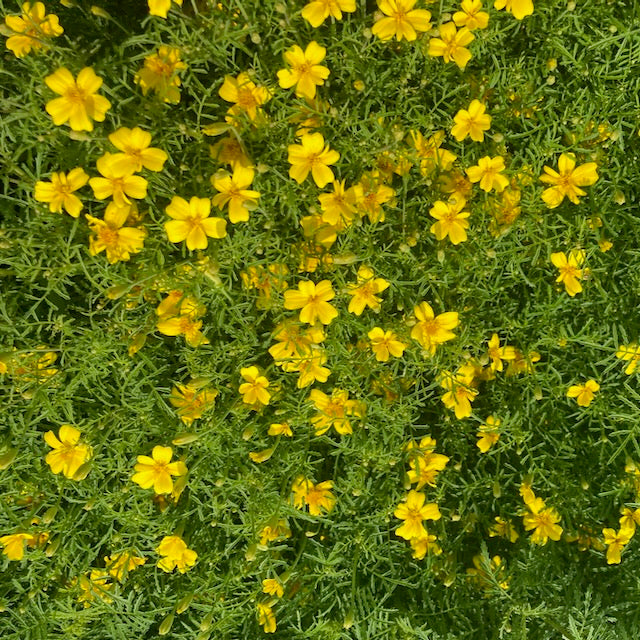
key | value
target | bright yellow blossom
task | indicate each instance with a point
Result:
(306, 72)
(159, 74)
(254, 388)
(312, 155)
(519, 8)
(431, 330)
(233, 191)
(488, 172)
(136, 151)
(570, 271)
(175, 554)
(119, 565)
(156, 471)
(630, 352)
(616, 542)
(317, 497)
(567, 180)
(68, 454)
(401, 20)
(414, 511)
(117, 181)
(192, 399)
(459, 391)
(317, 11)
(497, 354)
(451, 44)
(14, 543)
(31, 29)
(334, 411)
(451, 220)
(364, 293)
(161, 8)
(488, 434)
(385, 344)
(247, 97)
(424, 463)
(471, 15)
(472, 122)
(273, 587)
(266, 617)
(313, 301)
(59, 192)
(191, 222)
(583, 393)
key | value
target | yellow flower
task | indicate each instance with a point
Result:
(31, 28)
(13, 544)
(424, 463)
(312, 155)
(273, 531)
(111, 235)
(94, 584)
(159, 73)
(616, 542)
(79, 103)
(485, 576)
(401, 21)
(313, 301)
(233, 191)
(364, 291)
(541, 519)
(423, 545)
(306, 72)
(68, 453)
(311, 368)
(583, 393)
(488, 173)
(280, 428)
(413, 511)
(570, 272)
(118, 181)
(272, 587)
(156, 471)
(254, 389)
(431, 155)
(246, 96)
(317, 497)
(472, 122)
(504, 529)
(161, 8)
(630, 518)
(119, 565)
(459, 391)
(497, 353)
(317, 11)
(370, 194)
(519, 8)
(175, 554)
(630, 352)
(59, 192)
(451, 44)
(385, 344)
(471, 15)
(488, 434)
(338, 208)
(230, 151)
(451, 220)
(334, 411)
(192, 399)
(266, 617)
(136, 152)
(431, 330)
(567, 180)
(191, 222)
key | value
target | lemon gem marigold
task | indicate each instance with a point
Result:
(233, 192)
(431, 330)
(570, 271)
(312, 155)
(519, 8)
(59, 192)
(313, 301)
(161, 8)
(567, 180)
(583, 393)
(191, 222)
(317, 11)
(13, 544)
(117, 181)
(68, 453)
(156, 471)
(175, 554)
(401, 20)
(451, 220)
(136, 151)
(451, 44)
(254, 389)
(306, 72)
(413, 511)
(472, 122)
(31, 28)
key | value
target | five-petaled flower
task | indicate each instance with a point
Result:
(401, 20)
(59, 192)
(175, 554)
(254, 388)
(519, 8)
(570, 271)
(414, 511)
(312, 155)
(364, 293)
(472, 122)
(233, 191)
(451, 220)
(317, 11)
(583, 393)
(191, 222)
(313, 301)
(431, 330)
(31, 28)
(157, 471)
(567, 180)
(306, 72)
(451, 44)
(68, 454)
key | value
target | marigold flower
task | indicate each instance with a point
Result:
(14, 543)
(191, 222)
(364, 292)
(338, 208)
(616, 542)
(335, 411)
(306, 72)
(246, 96)
(313, 301)
(488, 173)
(424, 463)
(136, 152)
(119, 565)
(451, 221)
(414, 511)
(59, 192)
(161, 8)
(159, 74)
(540, 519)
(431, 155)
(431, 330)
(31, 28)
(370, 194)
(156, 471)
(472, 122)
(630, 518)
(185, 323)
(497, 354)
(401, 21)
(311, 368)
(117, 181)
(385, 344)
(175, 554)
(583, 393)
(630, 352)
(254, 389)
(79, 103)
(504, 529)
(488, 434)
(266, 617)
(68, 453)
(92, 585)
(451, 44)
(459, 391)
(192, 399)
(272, 587)
(519, 8)
(471, 15)
(280, 429)
(567, 180)
(570, 272)
(312, 155)
(233, 192)
(277, 529)
(111, 235)
(317, 497)
(317, 11)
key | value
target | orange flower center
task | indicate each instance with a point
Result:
(108, 236)
(75, 95)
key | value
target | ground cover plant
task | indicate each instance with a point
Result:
(319, 319)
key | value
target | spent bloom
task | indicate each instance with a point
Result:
(160, 74)
(68, 454)
(519, 8)
(175, 554)
(567, 180)
(570, 271)
(313, 301)
(451, 44)
(157, 471)
(59, 193)
(364, 293)
(312, 155)
(401, 20)
(583, 393)
(233, 191)
(78, 104)
(472, 122)
(30, 30)
(317, 11)
(451, 220)
(306, 72)
(191, 222)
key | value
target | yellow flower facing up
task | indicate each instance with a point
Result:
(472, 122)
(583, 393)
(313, 301)
(497, 354)
(312, 155)
(233, 191)
(488, 434)
(451, 220)
(451, 45)
(121, 564)
(317, 497)
(540, 519)
(488, 172)
(117, 181)
(161, 8)
(254, 388)
(431, 155)
(338, 207)
(567, 180)
(414, 511)
(630, 518)
(79, 104)
(570, 271)
(68, 454)
(59, 192)
(317, 11)
(471, 15)
(112, 236)
(306, 72)
(401, 20)
(31, 29)
(385, 344)
(191, 400)
(431, 330)
(616, 542)
(519, 8)
(13, 545)
(334, 411)
(424, 463)
(191, 222)
(266, 617)
(370, 194)
(459, 391)
(178, 316)
(175, 555)
(364, 293)
(136, 151)
(160, 74)
(157, 471)
(246, 96)
(630, 353)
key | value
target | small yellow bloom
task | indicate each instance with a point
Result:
(497, 354)
(161, 8)
(364, 292)
(334, 411)
(136, 151)
(246, 96)
(317, 497)
(306, 72)
(59, 192)
(488, 434)
(280, 428)
(630, 352)
(68, 453)
(401, 21)
(313, 301)
(583, 393)
(31, 29)
(540, 519)
(13, 544)
(119, 565)
(312, 155)
(567, 180)
(191, 222)
(472, 122)
(317, 11)
(272, 587)
(424, 463)
(570, 271)
(175, 554)
(192, 399)
(79, 104)
(159, 74)
(616, 542)
(94, 584)
(451, 221)
(460, 392)
(431, 330)
(117, 181)
(254, 389)
(385, 344)
(488, 172)
(471, 15)
(519, 8)
(266, 617)
(111, 235)
(233, 192)
(414, 511)
(451, 44)
(156, 471)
